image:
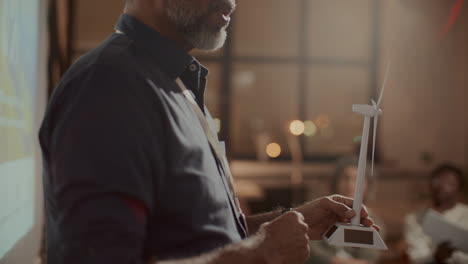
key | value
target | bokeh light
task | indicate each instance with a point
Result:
(310, 129)
(273, 150)
(357, 139)
(296, 127)
(322, 121)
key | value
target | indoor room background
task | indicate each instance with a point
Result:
(282, 88)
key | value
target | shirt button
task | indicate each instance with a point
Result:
(193, 67)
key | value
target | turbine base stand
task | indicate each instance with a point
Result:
(345, 234)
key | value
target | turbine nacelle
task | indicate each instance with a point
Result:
(367, 110)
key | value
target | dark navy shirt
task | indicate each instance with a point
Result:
(129, 174)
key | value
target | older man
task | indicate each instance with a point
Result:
(133, 170)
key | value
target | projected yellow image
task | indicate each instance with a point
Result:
(18, 84)
(15, 98)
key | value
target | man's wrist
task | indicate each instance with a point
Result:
(252, 250)
(253, 256)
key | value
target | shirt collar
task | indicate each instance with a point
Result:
(171, 58)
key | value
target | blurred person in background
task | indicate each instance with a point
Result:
(344, 183)
(131, 173)
(446, 185)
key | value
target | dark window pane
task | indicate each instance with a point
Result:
(331, 92)
(264, 101)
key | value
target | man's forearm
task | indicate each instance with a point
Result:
(281, 240)
(244, 252)
(255, 221)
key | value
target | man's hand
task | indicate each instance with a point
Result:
(281, 241)
(322, 213)
(443, 252)
(284, 240)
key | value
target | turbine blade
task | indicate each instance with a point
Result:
(376, 120)
(383, 84)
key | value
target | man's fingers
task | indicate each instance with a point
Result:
(301, 228)
(364, 211)
(296, 222)
(349, 202)
(294, 213)
(290, 216)
(343, 199)
(367, 222)
(339, 208)
(301, 216)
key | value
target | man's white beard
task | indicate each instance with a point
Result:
(206, 40)
(192, 23)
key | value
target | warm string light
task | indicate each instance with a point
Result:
(307, 128)
(273, 150)
(322, 121)
(310, 129)
(296, 127)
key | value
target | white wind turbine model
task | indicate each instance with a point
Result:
(354, 234)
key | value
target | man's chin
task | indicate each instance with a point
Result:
(211, 48)
(209, 41)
